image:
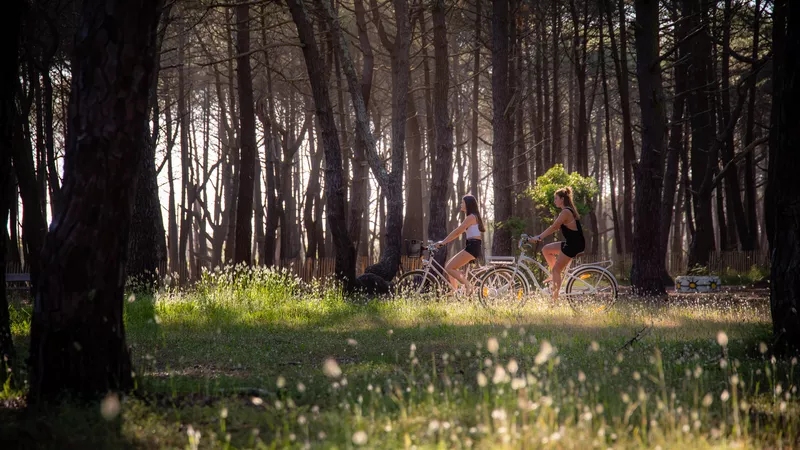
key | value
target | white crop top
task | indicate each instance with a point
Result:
(473, 231)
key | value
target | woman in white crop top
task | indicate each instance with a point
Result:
(473, 226)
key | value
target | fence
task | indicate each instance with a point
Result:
(309, 269)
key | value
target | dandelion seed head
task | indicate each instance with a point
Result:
(331, 368)
(359, 437)
(722, 339)
(493, 345)
(110, 407)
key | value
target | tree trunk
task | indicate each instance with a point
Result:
(413, 226)
(580, 54)
(611, 174)
(501, 141)
(648, 265)
(751, 240)
(187, 192)
(784, 165)
(732, 191)
(12, 20)
(555, 146)
(620, 56)
(359, 198)
(334, 189)
(247, 138)
(34, 226)
(474, 169)
(703, 129)
(674, 148)
(147, 246)
(77, 329)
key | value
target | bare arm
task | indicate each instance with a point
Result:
(470, 220)
(562, 217)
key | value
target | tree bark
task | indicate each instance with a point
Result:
(359, 198)
(648, 265)
(751, 240)
(147, 246)
(247, 138)
(703, 128)
(77, 329)
(501, 141)
(555, 145)
(611, 174)
(474, 169)
(34, 226)
(11, 22)
(784, 165)
(334, 189)
(580, 54)
(413, 226)
(673, 147)
(620, 57)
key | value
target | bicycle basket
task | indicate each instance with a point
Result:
(413, 248)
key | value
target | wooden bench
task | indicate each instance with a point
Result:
(18, 280)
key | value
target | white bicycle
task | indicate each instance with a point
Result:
(432, 279)
(587, 287)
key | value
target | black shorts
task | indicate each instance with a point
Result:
(572, 249)
(474, 247)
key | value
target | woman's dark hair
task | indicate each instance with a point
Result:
(566, 194)
(472, 208)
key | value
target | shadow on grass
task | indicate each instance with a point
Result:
(65, 426)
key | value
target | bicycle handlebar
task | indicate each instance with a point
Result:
(523, 241)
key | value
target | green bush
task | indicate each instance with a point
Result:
(583, 189)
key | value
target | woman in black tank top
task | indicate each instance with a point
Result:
(559, 254)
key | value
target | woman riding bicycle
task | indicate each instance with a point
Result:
(559, 254)
(473, 226)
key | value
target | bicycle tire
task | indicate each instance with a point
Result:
(416, 282)
(502, 286)
(591, 290)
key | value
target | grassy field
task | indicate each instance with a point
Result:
(257, 360)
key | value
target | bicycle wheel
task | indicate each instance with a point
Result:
(416, 282)
(591, 290)
(502, 286)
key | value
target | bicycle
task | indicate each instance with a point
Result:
(432, 278)
(587, 287)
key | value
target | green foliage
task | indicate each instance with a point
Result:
(730, 277)
(583, 190)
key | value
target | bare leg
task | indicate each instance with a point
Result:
(456, 262)
(561, 263)
(550, 253)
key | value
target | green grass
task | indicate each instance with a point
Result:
(252, 360)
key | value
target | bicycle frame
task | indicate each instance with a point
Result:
(432, 267)
(523, 263)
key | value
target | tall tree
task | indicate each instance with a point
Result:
(247, 138)
(648, 265)
(501, 142)
(474, 169)
(77, 329)
(334, 189)
(783, 190)
(620, 57)
(442, 170)
(749, 165)
(701, 112)
(148, 248)
(11, 21)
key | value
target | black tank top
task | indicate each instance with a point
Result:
(572, 236)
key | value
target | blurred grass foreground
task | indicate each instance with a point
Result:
(254, 358)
